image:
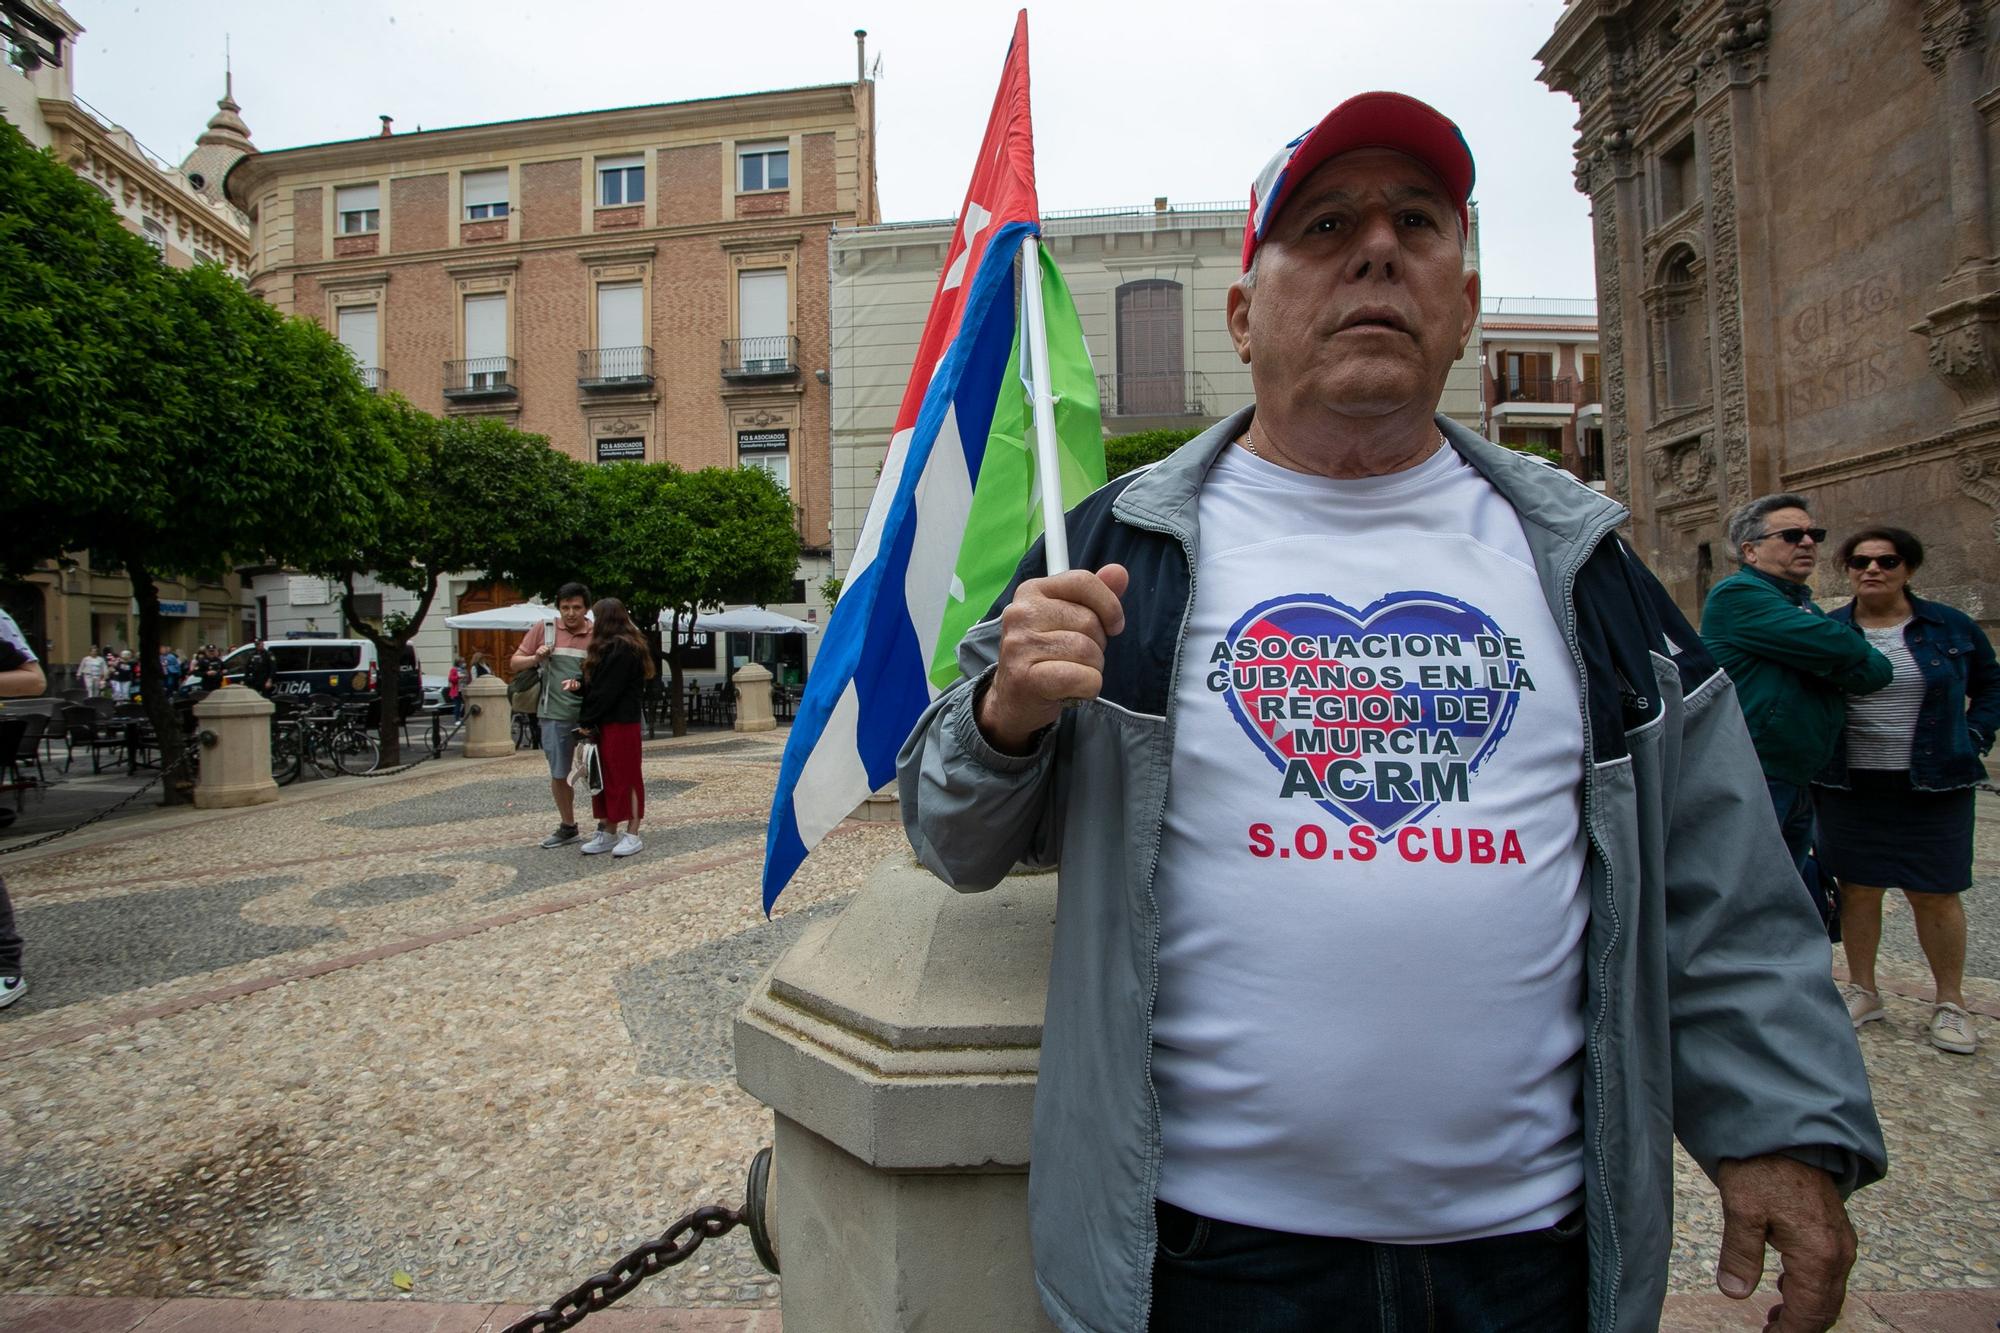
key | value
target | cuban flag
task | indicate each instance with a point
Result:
(870, 684)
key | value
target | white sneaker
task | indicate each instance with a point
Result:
(601, 841)
(11, 989)
(1863, 1006)
(1952, 1030)
(628, 845)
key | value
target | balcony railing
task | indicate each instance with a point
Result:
(1174, 394)
(481, 377)
(751, 358)
(1538, 389)
(372, 378)
(615, 368)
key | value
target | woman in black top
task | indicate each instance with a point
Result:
(615, 671)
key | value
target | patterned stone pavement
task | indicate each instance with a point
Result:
(293, 1051)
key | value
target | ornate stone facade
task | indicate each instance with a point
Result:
(1797, 280)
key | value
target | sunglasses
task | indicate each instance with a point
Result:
(1860, 562)
(1793, 536)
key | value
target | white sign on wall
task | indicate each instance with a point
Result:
(305, 591)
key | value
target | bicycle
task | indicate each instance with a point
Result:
(327, 735)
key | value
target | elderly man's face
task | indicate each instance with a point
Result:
(1779, 558)
(1361, 300)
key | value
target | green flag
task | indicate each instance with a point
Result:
(1006, 514)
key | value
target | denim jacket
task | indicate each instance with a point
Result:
(1961, 708)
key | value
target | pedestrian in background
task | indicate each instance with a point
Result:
(556, 652)
(170, 668)
(122, 672)
(454, 689)
(482, 665)
(615, 672)
(20, 678)
(1896, 802)
(1793, 668)
(90, 672)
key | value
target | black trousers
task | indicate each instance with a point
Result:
(1211, 1276)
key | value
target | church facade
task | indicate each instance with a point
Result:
(1794, 209)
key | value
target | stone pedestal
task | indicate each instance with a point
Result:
(753, 698)
(236, 770)
(897, 1045)
(489, 726)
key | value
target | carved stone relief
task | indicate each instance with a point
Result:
(1611, 339)
(1725, 289)
(1979, 478)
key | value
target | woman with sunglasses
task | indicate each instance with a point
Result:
(1895, 803)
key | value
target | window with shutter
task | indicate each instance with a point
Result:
(359, 208)
(1151, 356)
(485, 194)
(485, 341)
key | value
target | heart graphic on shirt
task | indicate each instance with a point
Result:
(1377, 715)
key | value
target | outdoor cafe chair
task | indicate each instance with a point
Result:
(86, 729)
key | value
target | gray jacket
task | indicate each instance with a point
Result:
(1710, 1012)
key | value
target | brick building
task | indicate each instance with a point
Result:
(1543, 386)
(641, 283)
(1797, 274)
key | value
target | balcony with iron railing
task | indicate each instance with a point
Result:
(372, 378)
(1151, 394)
(614, 368)
(767, 357)
(481, 377)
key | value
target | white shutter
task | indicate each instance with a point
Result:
(485, 327)
(357, 333)
(620, 315)
(485, 187)
(761, 305)
(355, 198)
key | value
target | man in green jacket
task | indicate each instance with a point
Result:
(1793, 667)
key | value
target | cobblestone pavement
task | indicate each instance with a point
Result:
(294, 1051)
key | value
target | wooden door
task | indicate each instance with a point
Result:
(1151, 360)
(497, 644)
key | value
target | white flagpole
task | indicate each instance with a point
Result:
(1048, 459)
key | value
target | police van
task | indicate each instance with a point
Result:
(349, 670)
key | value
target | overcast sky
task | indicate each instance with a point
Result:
(1183, 98)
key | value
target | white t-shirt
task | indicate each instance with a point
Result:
(1370, 1016)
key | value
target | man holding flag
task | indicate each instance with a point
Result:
(1417, 877)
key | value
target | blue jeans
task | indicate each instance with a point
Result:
(1792, 803)
(1211, 1276)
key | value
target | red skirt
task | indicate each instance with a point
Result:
(624, 794)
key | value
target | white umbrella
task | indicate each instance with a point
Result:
(747, 620)
(521, 615)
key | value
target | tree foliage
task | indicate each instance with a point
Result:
(166, 416)
(1122, 453)
(466, 492)
(672, 544)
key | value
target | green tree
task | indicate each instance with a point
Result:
(166, 416)
(466, 491)
(1122, 453)
(670, 545)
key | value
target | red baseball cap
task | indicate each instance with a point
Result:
(1366, 120)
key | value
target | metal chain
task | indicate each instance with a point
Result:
(187, 754)
(675, 1245)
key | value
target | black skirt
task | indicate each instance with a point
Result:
(1886, 834)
